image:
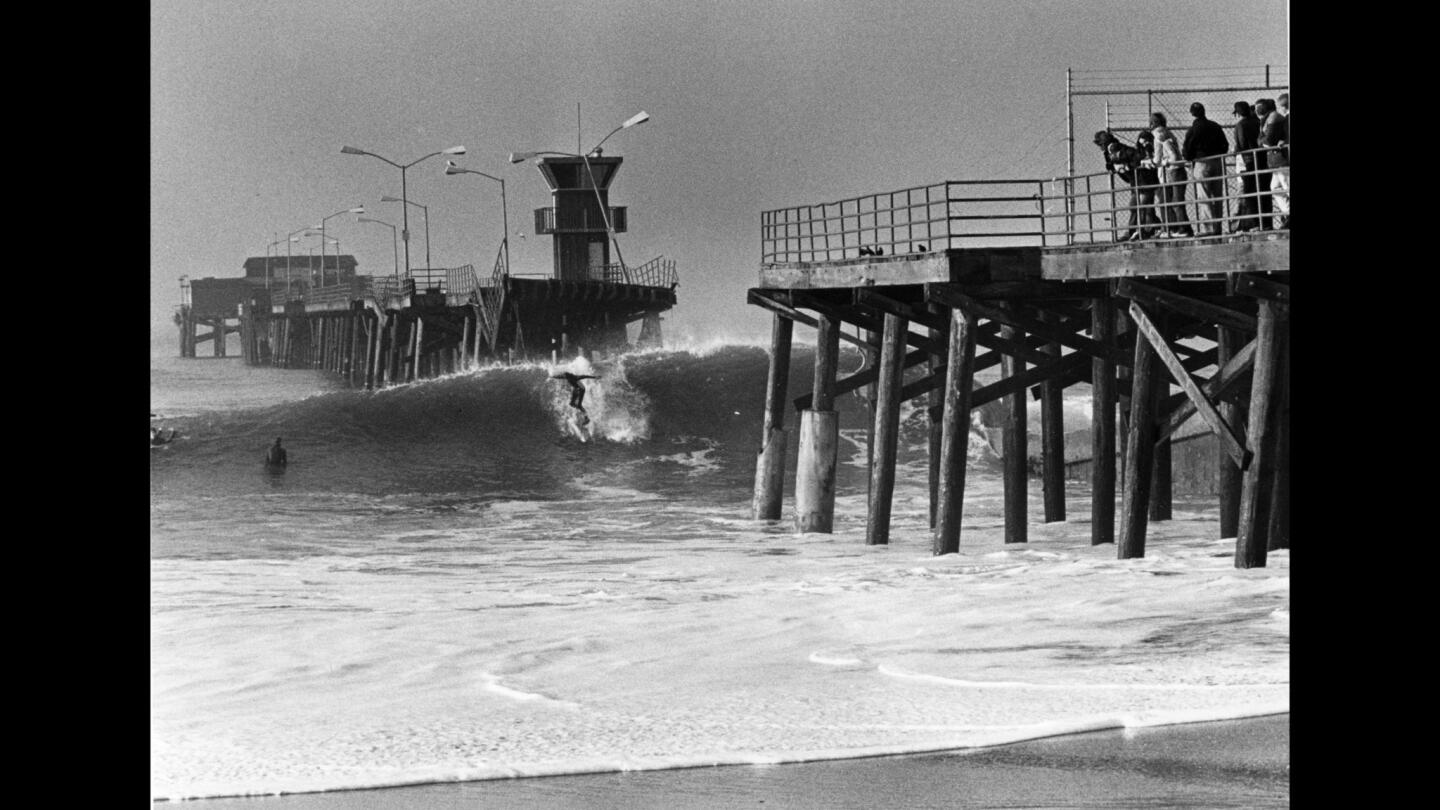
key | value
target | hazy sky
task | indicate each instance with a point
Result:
(754, 105)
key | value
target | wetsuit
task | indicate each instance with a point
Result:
(577, 391)
(276, 455)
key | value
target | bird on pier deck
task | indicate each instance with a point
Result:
(865, 251)
(921, 249)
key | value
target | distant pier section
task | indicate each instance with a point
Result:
(301, 312)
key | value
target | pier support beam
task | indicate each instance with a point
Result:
(1102, 426)
(885, 430)
(1229, 475)
(1052, 440)
(770, 465)
(954, 432)
(936, 417)
(1139, 452)
(1015, 445)
(1251, 542)
(819, 438)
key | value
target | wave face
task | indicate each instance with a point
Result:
(445, 584)
(501, 432)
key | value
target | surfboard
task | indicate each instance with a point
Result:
(580, 429)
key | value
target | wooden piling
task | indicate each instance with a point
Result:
(1016, 473)
(411, 357)
(1251, 542)
(935, 415)
(819, 438)
(954, 432)
(1102, 425)
(1229, 342)
(1139, 451)
(1052, 440)
(885, 430)
(770, 464)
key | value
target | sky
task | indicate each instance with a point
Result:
(753, 106)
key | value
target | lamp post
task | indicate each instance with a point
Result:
(404, 193)
(451, 168)
(425, 209)
(269, 273)
(323, 240)
(291, 238)
(359, 209)
(634, 120)
(394, 245)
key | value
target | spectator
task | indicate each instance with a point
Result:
(1205, 145)
(1275, 134)
(1147, 182)
(1120, 160)
(1174, 220)
(1247, 138)
(1262, 170)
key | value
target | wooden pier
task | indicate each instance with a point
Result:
(959, 277)
(383, 330)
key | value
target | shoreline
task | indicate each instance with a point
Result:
(1189, 763)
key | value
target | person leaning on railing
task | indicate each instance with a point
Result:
(1205, 145)
(1121, 160)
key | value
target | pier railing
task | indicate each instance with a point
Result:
(952, 214)
(658, 272)
(1101, 207)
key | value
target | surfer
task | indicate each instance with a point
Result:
(275, 456)
(577, 391)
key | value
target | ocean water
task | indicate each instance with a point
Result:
(445, 585)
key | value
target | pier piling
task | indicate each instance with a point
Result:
(954, 432)
(885, 430)
(819, 438)
(770, 465)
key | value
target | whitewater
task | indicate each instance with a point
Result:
(445, 585)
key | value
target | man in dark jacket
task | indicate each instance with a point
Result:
(1205, 143)
(1247, 137)
(1122, 161)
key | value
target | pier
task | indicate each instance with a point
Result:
(1031, 275)
(295, 312)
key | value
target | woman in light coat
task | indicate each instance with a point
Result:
(1174, 220)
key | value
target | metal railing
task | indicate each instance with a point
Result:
(955, 213)
(547, 221)
(1089, 209)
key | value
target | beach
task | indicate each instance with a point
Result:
(1237, 763)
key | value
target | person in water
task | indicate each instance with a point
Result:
(577, 391)
(275, 456)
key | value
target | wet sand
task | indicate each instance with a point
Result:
(1237, 763)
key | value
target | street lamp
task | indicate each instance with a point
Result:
(290, 238)
(393, 244)
(404, 194)
(634, 120)
(359, 209)
(424, 209)
(269, 273)
(323, 240)
(451, 168)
